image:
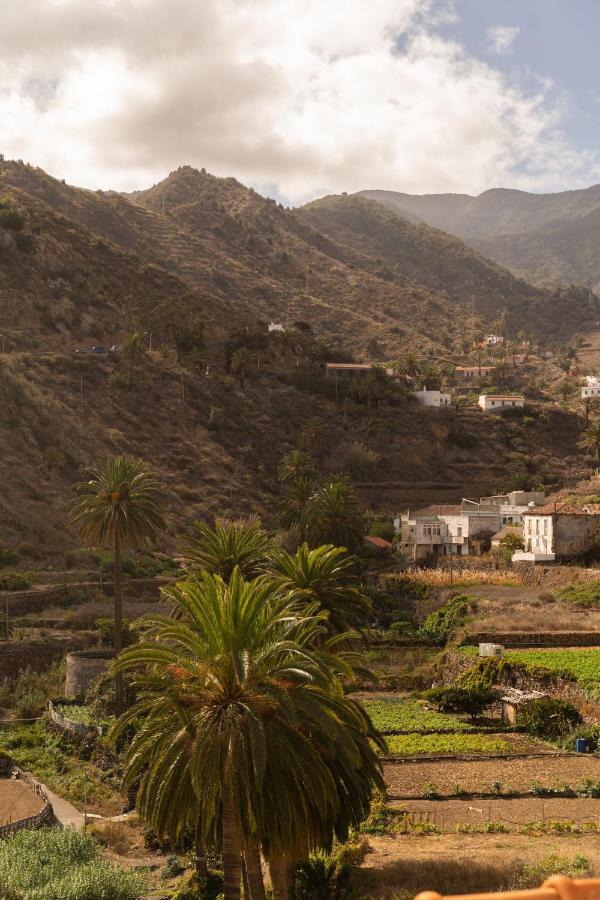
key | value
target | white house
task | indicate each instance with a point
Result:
(515, 504)
(468, 373)
(558, 530)
(275, 326)
(591, 388)
(493, 340)
(495, 402)
(447, 530)
(432, 398)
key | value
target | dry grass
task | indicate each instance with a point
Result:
(465, 577)
(120, 837)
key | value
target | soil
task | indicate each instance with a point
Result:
(17, 801)
(446, 814)
(409, 779)
(522, 608)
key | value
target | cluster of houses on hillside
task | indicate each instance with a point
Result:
(463, 529)
(547, 531)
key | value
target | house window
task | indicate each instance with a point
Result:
(459, 531)
(493, 402)
(427, 530)
(545, 526)
(513, 402)
(537, 526)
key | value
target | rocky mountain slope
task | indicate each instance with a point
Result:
(199, 264)
(545, 238)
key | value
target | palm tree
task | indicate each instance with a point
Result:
(240, 361)
(277, 756)
(292, 505)
(326, 575)
(332, 516)
(118, 507)
(410, 365)
(590, 439)
(228, 545)
(296, 464)
(131, 346)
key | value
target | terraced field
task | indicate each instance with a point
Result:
(400, 715)
(446, 744)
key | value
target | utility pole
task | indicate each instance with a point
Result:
(81, 390)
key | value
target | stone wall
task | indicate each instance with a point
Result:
(39, 654)
(83, 667)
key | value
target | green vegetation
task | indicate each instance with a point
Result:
(10, 218)
(14, 581)
(51, 759)
(473, 700)
(27, 695)
(550, 718)
(583, 593)
(52, 864)
(434, 744)
(118, 506)
(439, 625)
(397, 716)
(582, 665)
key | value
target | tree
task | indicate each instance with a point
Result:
(326, 575)
(240, 360)
(131, 346)
(118, 507)
(228, 545)
(235, 697)
(294, 465)
(332, 516)
(590, 439)
(429, 378)
(292, 504)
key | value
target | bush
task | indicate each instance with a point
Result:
(439, 625)
(591, 733)
(472, 701)
(550, 718)
(14, 581)
(7, 557)
(10, 218)
(583, 593)
(106, 627)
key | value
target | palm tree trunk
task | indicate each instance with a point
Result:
(118, 627)
(256, 887)
(282, 872)
(200, 848)
(232, 855)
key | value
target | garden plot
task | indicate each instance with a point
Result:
(489, 776)
(469, 744)
(403, 716)
(17, 801)
(529, 815)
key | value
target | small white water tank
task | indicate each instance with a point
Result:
(491, 650)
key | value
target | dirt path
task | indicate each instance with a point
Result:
(17, 801)
(410, 779)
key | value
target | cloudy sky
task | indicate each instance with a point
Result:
(304, 97)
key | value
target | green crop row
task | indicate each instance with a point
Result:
(431, 744)
(394, 715)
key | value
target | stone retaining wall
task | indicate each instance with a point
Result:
(539, 639)
(40, 653)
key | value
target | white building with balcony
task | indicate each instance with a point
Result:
(497, 402)
(457, 530)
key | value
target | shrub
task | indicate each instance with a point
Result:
(10, 218)
(439, 625)
(7, 557)
(591, 733)
(14, 581)
(583, 593)
(472, 701)
(550, 718)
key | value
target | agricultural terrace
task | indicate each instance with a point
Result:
(583, 663)
(401, 715)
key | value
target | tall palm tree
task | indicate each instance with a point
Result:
(118, 507)
(296, 464)
(332, 516)
(278, 757)
(240, 361)
(326, 575)
(132, 345)
(590, 439)
(292, 504)
(226, 545)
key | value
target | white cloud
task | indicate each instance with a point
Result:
(302, 96)
(502, 37)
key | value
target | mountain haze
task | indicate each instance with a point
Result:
(545, 238)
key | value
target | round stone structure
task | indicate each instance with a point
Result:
(82, 667)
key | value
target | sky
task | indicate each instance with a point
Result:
(301, 98)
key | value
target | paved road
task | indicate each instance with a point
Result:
(64, 812)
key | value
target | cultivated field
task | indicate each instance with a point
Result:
(17, 801)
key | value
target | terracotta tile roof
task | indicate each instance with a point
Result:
(474, 368)
(378, 542)
(504, 396)
(563, 509)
